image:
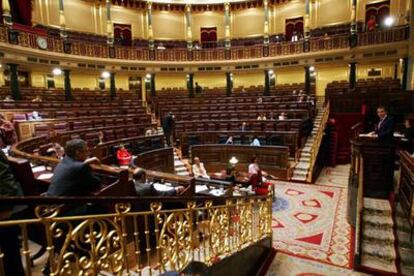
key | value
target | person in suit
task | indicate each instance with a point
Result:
(244, 127)
(167, 127)
(198, 89)
(142, 188)
(73, 175)
(385, 127)
(9, 186)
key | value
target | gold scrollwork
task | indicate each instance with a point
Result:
(92, 246)
(175, 241)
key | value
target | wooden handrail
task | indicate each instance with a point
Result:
(317, 142)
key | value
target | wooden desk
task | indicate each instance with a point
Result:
(274, 138)
(272, 159)
(157, 160)
(377, 159)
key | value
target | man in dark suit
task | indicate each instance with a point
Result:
(73, 175)
(167, 127)
(385, 127)
(198, 88)
(142, 188)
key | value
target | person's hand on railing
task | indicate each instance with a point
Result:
(92, 160)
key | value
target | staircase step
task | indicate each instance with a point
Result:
(379, 234)
(379, 205)
(382, 251)
(378, 263)
(299, 178)
(180, 169)
(381, 221)
(178, 163)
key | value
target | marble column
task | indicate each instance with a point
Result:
(68, 86)
(229, 84)
(112, 88)
(352, 75)
(14, 82)
(190, 85)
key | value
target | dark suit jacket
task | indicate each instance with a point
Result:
(168, 124)
(8, 183)
(386, 130)
(72, 178)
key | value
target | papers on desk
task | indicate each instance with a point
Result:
(366, 135)
(200, 188)
(45, 176)
(217, 192)
(162, 187)
(38, 169)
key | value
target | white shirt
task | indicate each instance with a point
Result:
(254, 168)
(200, 171)
(255, 142)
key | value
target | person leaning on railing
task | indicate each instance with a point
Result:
(73, 176)
(9, 241)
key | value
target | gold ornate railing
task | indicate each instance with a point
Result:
(99, 50)
(317, 142)
(149, 242)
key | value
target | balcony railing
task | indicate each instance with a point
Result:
(81, 48)
(155, 239)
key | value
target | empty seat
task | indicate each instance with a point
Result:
(41, 129)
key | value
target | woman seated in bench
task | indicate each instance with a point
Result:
(198, 169)
(123, 156)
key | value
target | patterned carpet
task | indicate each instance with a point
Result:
(287, 265)
(337, 176)
(309, 221)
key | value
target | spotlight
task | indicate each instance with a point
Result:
(389, 21)
(105, 74)
(57, 71)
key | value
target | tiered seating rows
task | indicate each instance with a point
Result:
(237, 92)
(29, 93)
(254, 125)
(110, 133)
(364, 86)
(247, 114)
(235, 107)
(46, 127)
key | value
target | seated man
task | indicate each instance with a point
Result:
(143, 188)
(35, 116)
(229, 140)
(123, 156)
(73, 175)
(198, 169)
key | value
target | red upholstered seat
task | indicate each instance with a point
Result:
(19, 117)
(41, 129)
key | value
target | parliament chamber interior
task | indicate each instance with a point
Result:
(207, 137)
